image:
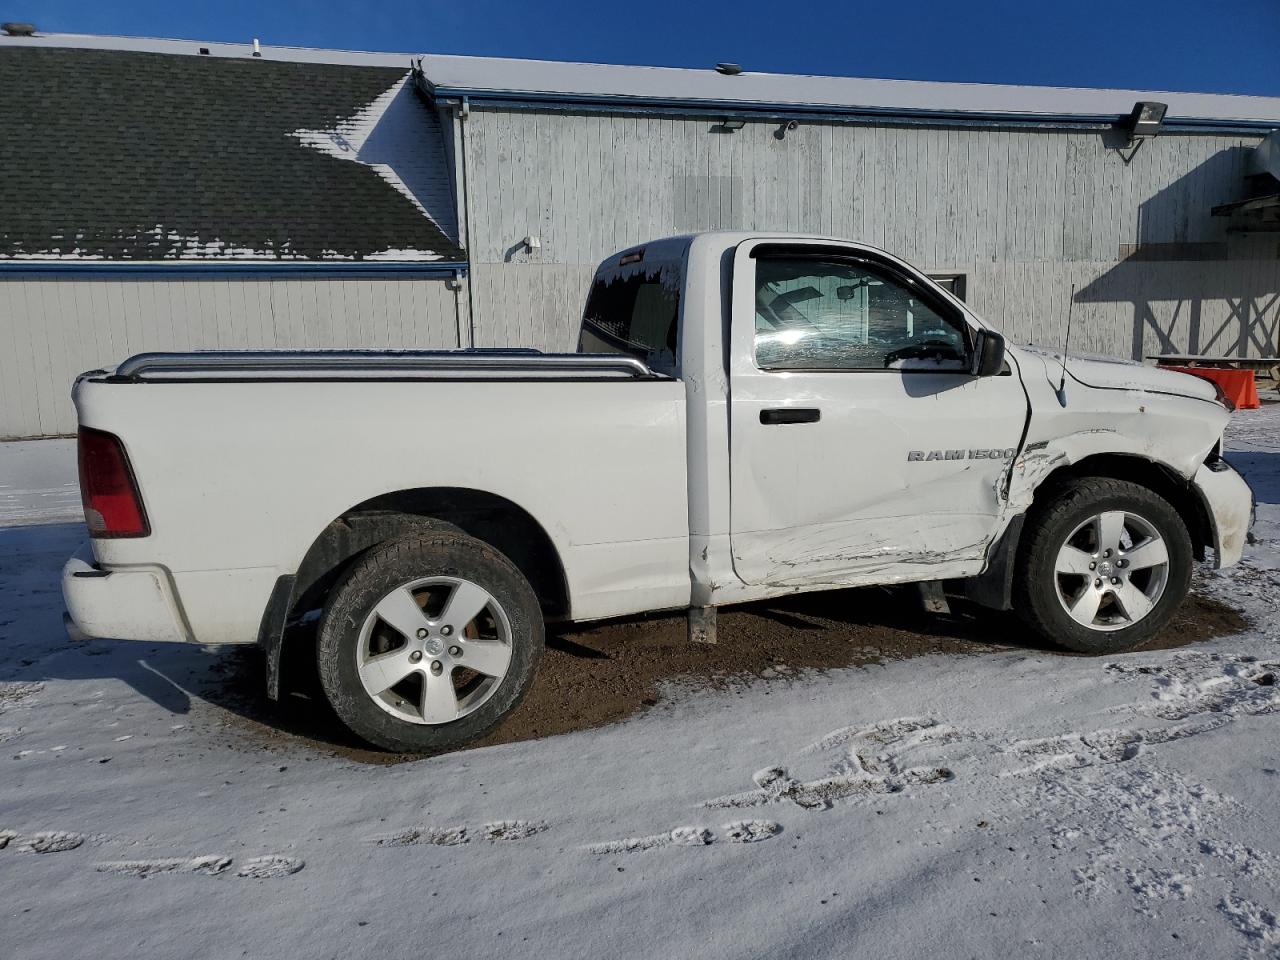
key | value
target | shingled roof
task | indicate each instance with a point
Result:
(114, 155)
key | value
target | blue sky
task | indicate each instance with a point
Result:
(1221, 47)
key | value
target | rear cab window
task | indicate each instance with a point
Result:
(633, 306)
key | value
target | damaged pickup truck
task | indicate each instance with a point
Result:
(749, 415)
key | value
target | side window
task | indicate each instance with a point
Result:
(835, 314)
(634, 310)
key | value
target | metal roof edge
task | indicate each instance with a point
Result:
(766, 109)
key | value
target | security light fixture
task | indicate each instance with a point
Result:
(1142, 123)
(1144, 120)
(732, 123)
(729, 69)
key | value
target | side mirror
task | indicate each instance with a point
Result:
(988, 354)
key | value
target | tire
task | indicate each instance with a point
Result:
(398, 642)
(1130, 595)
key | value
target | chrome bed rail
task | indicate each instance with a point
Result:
(501, 364)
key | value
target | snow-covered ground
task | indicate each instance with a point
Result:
(38, 481)
(1014, 804)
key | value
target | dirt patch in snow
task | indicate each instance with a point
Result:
(598, 674)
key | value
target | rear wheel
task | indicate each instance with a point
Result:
(1104, 566)
(429, 641)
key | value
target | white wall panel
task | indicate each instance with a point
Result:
(1025, 212)
(53, 329)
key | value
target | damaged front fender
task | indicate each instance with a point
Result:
(1230, 505)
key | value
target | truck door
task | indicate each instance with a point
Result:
(862, 449)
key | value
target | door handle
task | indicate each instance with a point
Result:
(781, 415)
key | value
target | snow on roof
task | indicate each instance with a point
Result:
(138, 156)
(586, 82)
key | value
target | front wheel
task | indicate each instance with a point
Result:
(1103, 567)
(429, 641)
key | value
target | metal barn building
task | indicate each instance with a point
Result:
(181, 195)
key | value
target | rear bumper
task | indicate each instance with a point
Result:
(1230, 504)
(136, 603)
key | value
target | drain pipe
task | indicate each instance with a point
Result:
(464, 112)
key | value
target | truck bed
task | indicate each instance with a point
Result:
(243, 460)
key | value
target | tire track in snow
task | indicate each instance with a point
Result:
(737, 831)
(269, 867)
(497, 831)
(1123, 826)
(42, 841)
(504, 830)
(209, 866)
(432, 836)
(679, 837)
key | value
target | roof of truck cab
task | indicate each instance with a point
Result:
(620, 86)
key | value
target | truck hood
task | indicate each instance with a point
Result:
(1110, 373)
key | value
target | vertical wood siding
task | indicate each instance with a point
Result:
(1025, 213)
(52, 330)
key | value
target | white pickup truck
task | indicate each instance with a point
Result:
(750, 415)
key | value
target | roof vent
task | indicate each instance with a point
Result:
(729, 69)
(18, 29)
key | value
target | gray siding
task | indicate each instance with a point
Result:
(52, 330)
(1025, 213)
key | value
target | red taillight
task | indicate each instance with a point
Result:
(112, 505)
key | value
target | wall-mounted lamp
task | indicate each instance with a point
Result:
(785, 128)
(1142, 123)
(1144, 119)
(729, 69)
(732, 123)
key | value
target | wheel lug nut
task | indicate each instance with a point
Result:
(422, 634)
(1115, 579)
(415, 656)
(455, 651)
(446, 630)
(1106, 553)
(1097, 583)
(1093, 566)
(437, 667)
